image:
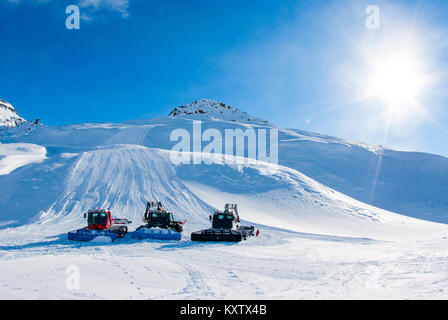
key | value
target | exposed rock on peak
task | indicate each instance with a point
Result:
(9, 116)
(213, 110)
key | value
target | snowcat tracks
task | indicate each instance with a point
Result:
(216, 235)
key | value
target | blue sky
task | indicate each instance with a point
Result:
(300, 64)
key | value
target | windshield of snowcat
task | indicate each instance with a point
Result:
(223, 221)
(159, 218)
(97, 218)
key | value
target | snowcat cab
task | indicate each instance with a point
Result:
(228, 219)
(225, 227)
(100, 224)
(159, 224)
(98, 219)
(222, 220)
(160, 218)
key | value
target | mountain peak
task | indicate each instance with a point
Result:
(205, 109)
(9, 116)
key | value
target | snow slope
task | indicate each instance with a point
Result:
(408, 183)
(315, 241)
(16, 155)
(283, 198)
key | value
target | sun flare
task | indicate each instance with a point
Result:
(396, 79)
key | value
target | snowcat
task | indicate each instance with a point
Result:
(100, 226)
(159, 224)
(225, 227)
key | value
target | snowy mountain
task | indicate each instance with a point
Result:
(212, 110)
(409, 183)
(9, 116)
(317, 233)
(371, 174)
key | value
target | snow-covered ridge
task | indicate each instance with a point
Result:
(9, 116)
(16, 155)
(213, 110)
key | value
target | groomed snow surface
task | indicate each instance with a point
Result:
(16, 155)
(315, 242)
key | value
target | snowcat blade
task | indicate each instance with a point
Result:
(156, 234)
(216, 235)
(85, 235)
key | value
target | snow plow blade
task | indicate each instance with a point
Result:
(85, 235)
(216, 235)
(156, 234)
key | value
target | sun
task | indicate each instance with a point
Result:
(396, 79)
